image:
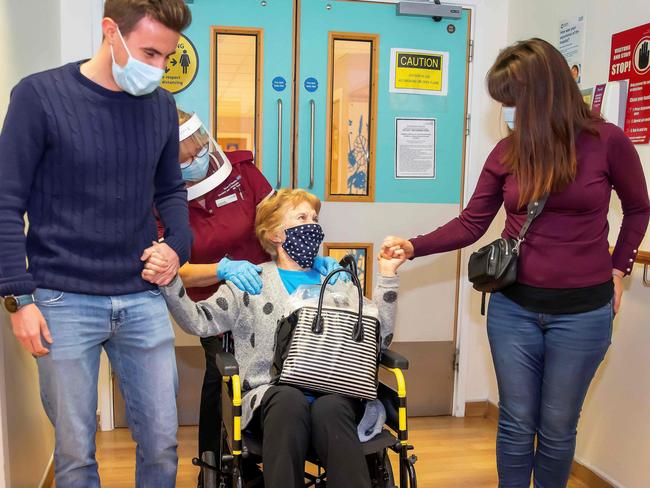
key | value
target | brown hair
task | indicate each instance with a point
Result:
(182, 116)
(534, 77)
(271, 211)
(174, 14)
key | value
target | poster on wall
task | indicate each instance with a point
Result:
(415, 148)
(419, 72)
(572, 41)
(597, 101)
(587, 95)
(363, 255)
(181, 68)
(630, 60)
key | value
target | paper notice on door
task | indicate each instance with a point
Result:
(415, 148)
(419, 72)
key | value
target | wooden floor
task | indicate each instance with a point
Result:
(452, 453)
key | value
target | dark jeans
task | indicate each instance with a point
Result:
(290, 426)
(210, 413)
(544, 364)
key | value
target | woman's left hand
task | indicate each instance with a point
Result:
(618, 290)
(388, 266)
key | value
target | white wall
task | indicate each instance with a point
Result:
(614, 432)
(476, 373)
(27, 438)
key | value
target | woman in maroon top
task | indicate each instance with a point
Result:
(549, 331)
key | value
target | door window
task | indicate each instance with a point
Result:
(351, 101)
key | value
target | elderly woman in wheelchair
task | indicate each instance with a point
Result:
(291, 422)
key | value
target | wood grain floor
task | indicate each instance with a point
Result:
(452, 453)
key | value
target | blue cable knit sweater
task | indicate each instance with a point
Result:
(87, 165)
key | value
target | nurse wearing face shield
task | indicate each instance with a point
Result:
(224, 190)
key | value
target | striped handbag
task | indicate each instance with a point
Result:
(329, 350)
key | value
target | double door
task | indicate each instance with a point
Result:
(366, 109)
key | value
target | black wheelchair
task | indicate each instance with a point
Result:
(225, 469)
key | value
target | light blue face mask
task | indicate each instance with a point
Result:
(198, 167)
(135, 77)
(508, 114)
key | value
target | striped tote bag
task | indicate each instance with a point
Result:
(329, 350)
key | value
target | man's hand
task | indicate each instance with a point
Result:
(161, 264)
(29, 325)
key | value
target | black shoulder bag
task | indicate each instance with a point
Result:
(494, 267)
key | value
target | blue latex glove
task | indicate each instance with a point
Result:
(244, 275)
(325, 265)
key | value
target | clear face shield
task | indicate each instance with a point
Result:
(203, 163)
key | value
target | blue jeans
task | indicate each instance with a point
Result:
(544, 364)
(137, 335)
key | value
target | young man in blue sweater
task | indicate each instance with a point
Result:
(87, 150)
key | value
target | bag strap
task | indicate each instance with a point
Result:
(319, 324)
(534, 209)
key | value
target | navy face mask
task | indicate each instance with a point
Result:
(302, 243)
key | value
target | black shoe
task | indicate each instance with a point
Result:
(253, 476)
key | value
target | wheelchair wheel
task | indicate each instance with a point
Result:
(209, 476)
(237, 480)
(381, 471)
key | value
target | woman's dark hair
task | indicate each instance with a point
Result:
(534, 77)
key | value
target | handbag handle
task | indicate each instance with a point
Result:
(349, 262)
(533, 210)
(318, 324)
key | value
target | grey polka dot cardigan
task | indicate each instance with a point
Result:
(253, 319)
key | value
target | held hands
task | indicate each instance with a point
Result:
(392, 244)
(244, 275)
(161, 264)
(29, 325)
(388, 265)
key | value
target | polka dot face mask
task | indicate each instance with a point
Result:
(302, 243)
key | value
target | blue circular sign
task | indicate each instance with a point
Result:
(279, 83)
(311, 84)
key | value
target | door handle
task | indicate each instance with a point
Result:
(279, 181)
(311, 143)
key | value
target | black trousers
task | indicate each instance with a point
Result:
(290, 426)
(210, 413)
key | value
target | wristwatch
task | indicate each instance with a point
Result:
(15, 303)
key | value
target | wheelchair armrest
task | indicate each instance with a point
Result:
(392, 359)
(227, 364)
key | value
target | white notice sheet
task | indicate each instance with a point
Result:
(415, 148)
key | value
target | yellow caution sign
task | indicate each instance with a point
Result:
(182, 67)
(419, 72)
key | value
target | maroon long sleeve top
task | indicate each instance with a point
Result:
(566, 246)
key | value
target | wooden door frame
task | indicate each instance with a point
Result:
(372, 133)
(215, 30)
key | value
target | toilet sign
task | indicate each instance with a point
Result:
(418, 72)
(181, 68)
